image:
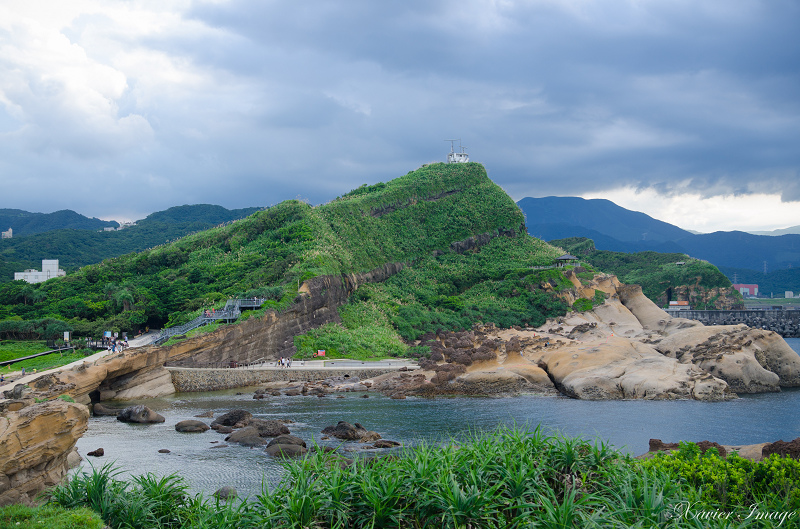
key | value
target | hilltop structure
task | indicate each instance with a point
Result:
(7, 234)
(50, 270)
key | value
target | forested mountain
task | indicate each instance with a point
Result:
(614, 228)
(27, 223)
(461, 236)
(77, 247)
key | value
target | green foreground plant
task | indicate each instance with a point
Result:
(508, 478)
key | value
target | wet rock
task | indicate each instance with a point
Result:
(191, 426)
(287, 440)
(221, 429)
(96, 453)
(206, 414)
(140, 414)
(164, 451)
(269, 428)
(101, 410)
(247, 436)
(385, 443)
(286, 451)
(226, 493)
(233, 417)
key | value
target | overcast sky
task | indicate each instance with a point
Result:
(686, 110)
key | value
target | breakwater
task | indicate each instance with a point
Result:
(201, 379)
(784, 322)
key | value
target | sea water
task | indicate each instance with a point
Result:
(627, 425)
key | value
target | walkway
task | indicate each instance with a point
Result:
(139, 341)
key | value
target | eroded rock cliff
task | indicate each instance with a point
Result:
(35, 442)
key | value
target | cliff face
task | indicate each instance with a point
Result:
(272, 335)
(34, 444)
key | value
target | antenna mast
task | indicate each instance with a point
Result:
(457, 157)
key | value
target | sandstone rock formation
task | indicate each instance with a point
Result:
(626, 348)
(35, 444)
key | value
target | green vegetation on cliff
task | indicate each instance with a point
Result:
(661, 275)
(429, 218)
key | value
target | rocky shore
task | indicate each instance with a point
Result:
(626, 348)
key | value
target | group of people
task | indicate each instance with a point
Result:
(284, 362)
(118, 345)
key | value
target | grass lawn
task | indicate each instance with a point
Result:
(10, 350)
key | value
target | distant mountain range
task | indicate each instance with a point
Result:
(77, 246)
(26, 223)
(618, 229)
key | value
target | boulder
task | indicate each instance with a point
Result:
(287, 440)
(370, 436)
(164, 451)
(221, 429)
(385, 443)
(233, 417)
(139, 414)
(345, 431)
(783, 448)
(269, 427)
(206, 414)
(286, 450)
(247, 436)
(191, 426)
(225, 493)
(96, 453)
(101, 410)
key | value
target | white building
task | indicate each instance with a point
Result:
(7, 234)
(50, 269)
(788, 294)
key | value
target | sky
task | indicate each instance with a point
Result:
(688, 111)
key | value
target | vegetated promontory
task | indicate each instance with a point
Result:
(472, 261)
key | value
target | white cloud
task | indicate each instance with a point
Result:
(750, 212)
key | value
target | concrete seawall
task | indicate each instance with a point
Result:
(784, 322)
(198, 379)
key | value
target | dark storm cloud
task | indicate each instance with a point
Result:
(250, 102)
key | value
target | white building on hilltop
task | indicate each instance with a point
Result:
(50, 270)
(7, 234)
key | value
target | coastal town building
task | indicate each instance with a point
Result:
(7, 234)
(748, 291)
(49, 270)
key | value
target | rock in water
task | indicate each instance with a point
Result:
(139, 414)
(234, 417)
(191, 426)
(101, 410)
(226, 493)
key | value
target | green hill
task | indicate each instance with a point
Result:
(414, 219)
(78, 247)
(26, 223)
